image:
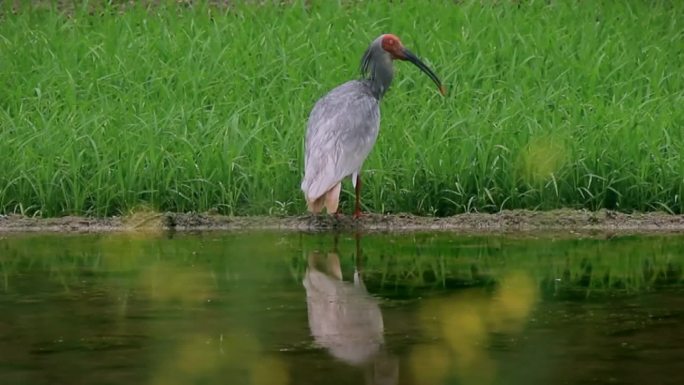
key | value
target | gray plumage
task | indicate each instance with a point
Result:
(338, 142)
(343, 125)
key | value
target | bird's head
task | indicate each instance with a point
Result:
(394, 47)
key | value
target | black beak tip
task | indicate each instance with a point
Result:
(408, 55)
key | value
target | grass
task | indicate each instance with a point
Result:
(204, 108)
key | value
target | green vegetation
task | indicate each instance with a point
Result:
(392, 265)
(564, 104)
(401, 265)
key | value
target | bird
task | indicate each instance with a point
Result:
(344, 124)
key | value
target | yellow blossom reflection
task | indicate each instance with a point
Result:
(464, 322)
(513, 302)
(177, 283)
(430, 364)
(268, 370)
(202, 358)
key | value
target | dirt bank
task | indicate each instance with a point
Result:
(506, 221)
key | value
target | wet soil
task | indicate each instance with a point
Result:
(604, 221)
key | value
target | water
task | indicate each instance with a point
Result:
(409, 309)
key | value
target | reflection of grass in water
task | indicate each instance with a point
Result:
(622, 264)
(499, 278)
(400, 264)
(627, 273)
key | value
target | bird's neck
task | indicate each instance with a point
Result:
(379, 85)
(380, 75)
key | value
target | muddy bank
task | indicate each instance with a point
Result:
(506, 221)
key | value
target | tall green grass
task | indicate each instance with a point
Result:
(550, 104)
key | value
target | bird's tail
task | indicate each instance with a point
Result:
(315, 206)
(330, 200)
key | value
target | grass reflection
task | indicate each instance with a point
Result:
(399, 263)
(233, 308)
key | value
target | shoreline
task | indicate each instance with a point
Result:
(565, 220)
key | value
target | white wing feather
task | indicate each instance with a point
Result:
(341, 131)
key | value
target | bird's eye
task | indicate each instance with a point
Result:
(390, 41)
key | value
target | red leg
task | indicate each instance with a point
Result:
(357, 210)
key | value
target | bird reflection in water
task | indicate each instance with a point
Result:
(344, 319)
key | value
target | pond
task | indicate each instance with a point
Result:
(296, 308)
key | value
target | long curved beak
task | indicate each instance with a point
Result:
(408, 55)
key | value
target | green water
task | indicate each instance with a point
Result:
(280, 309)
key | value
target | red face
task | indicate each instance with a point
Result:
(392, 44)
